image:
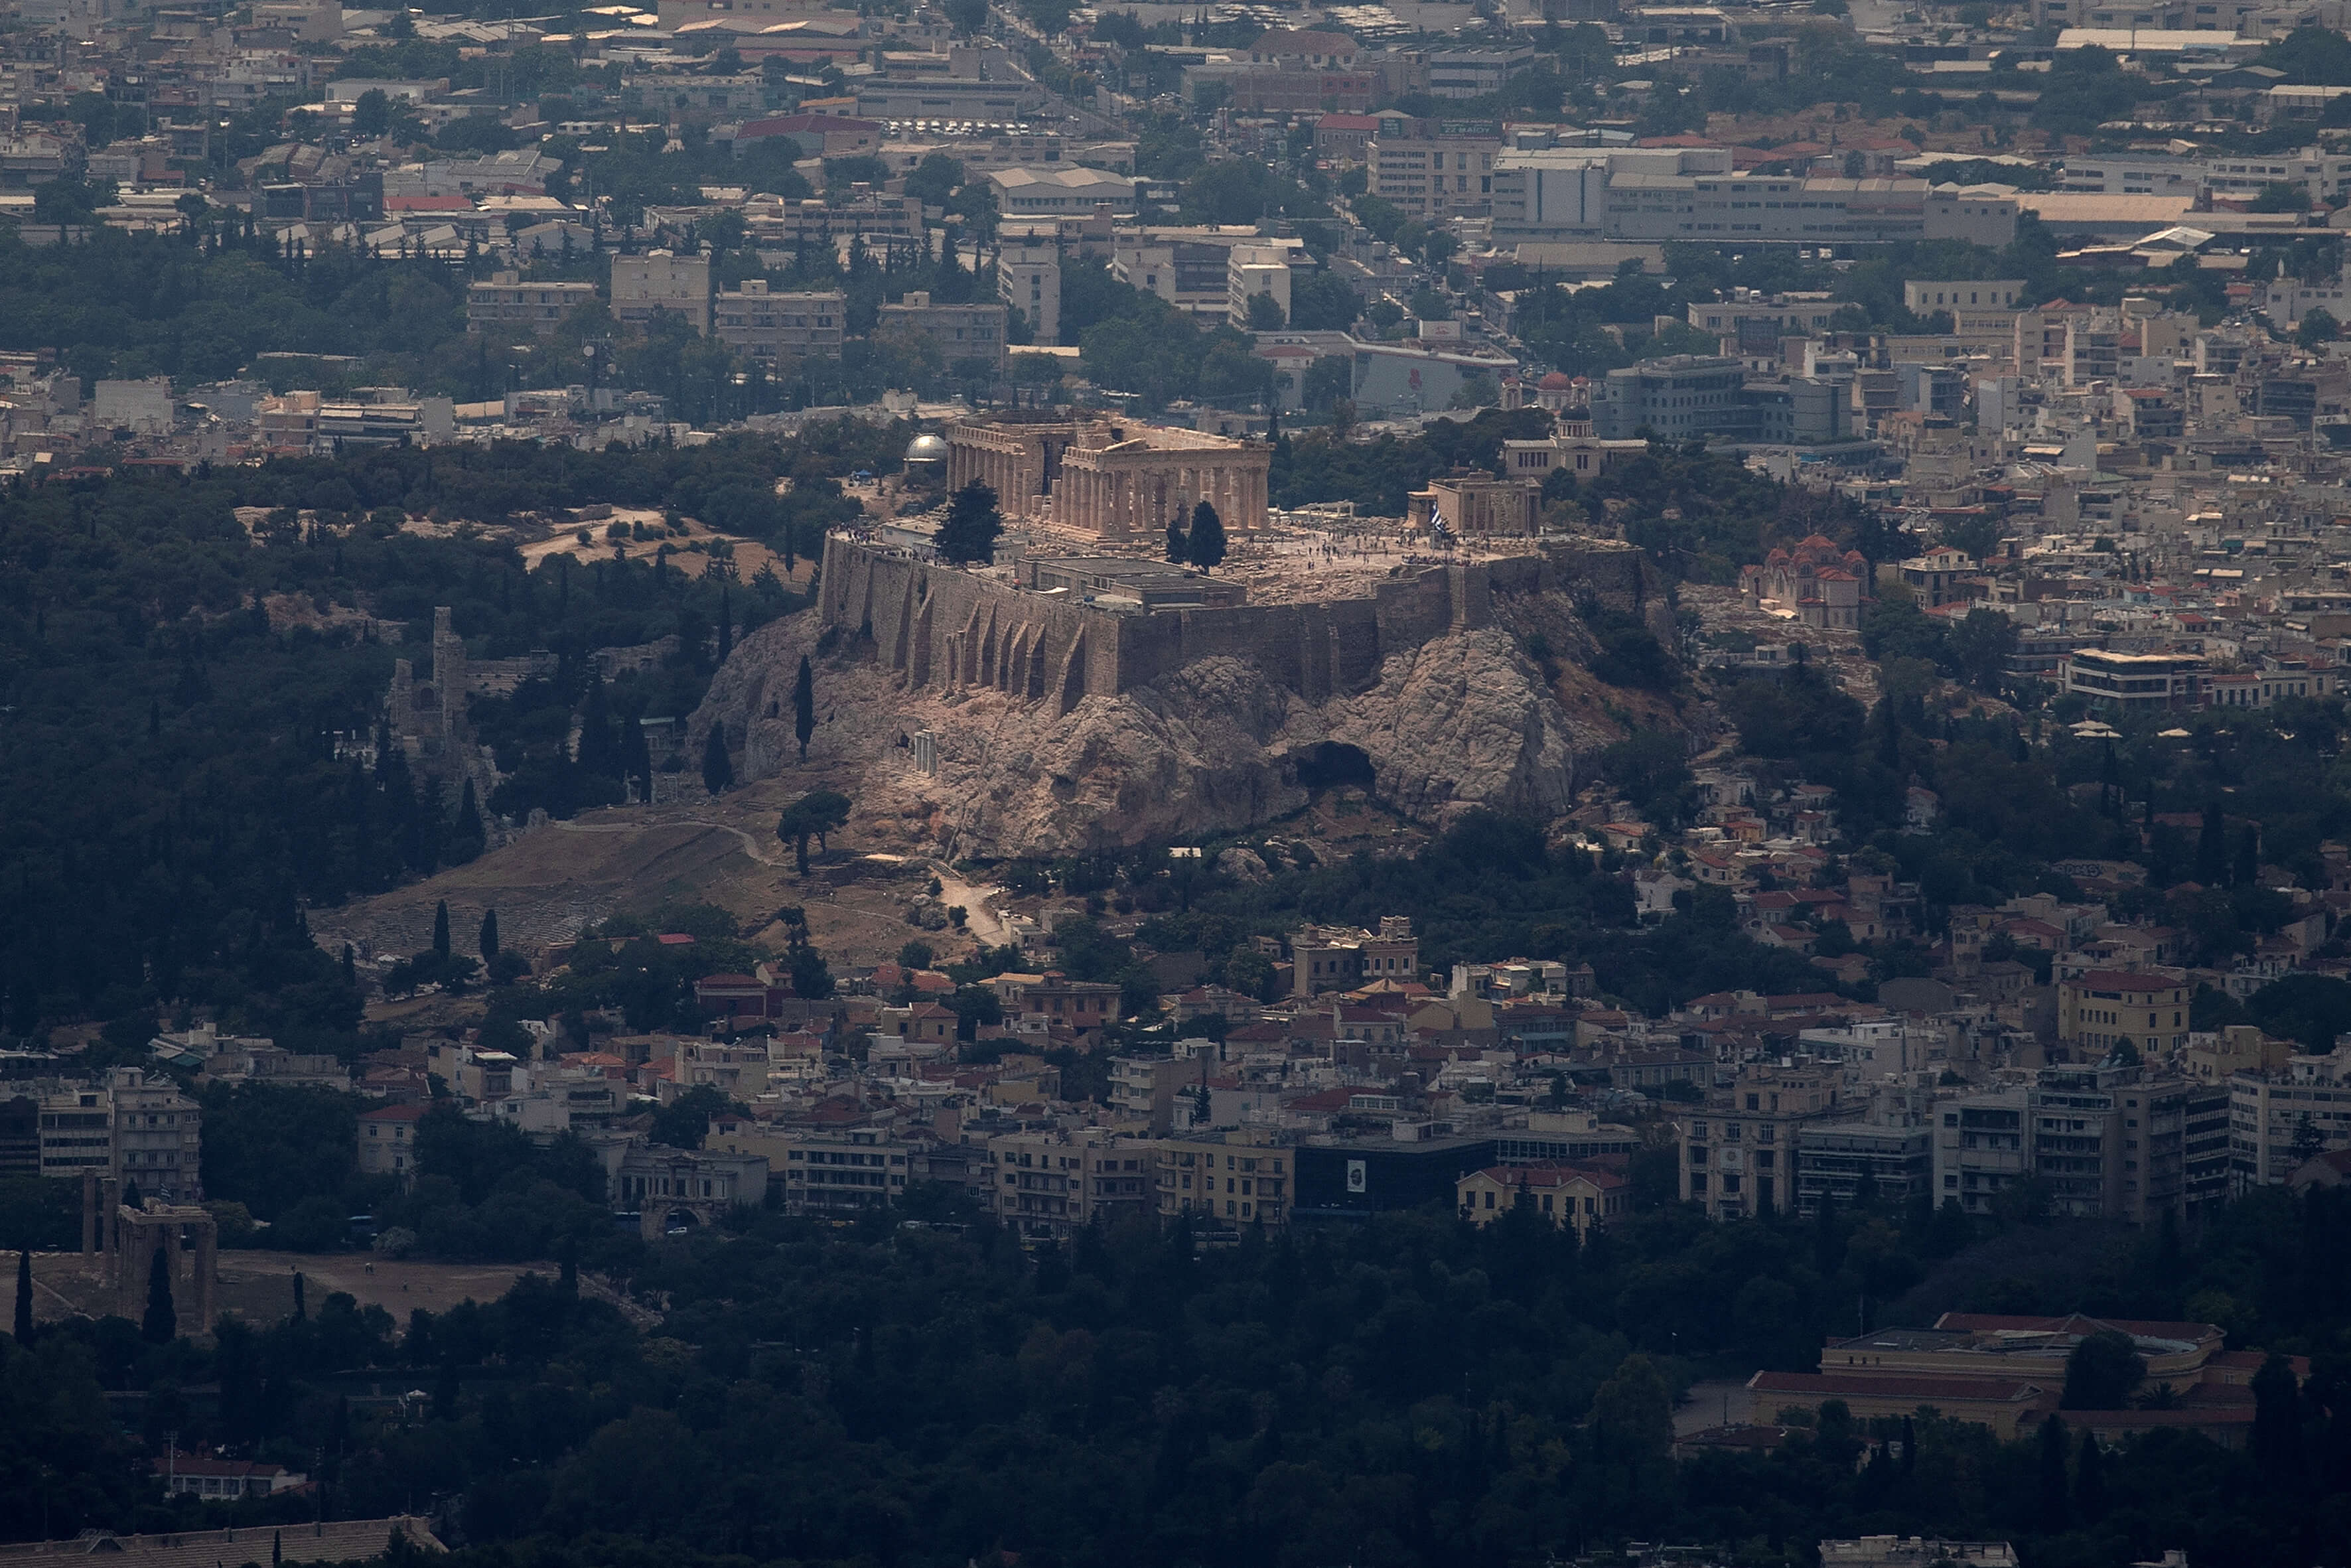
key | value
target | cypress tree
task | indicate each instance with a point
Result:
(1205, 545)
(489, 936)
(162, 1323)
(2090, 1482)
(24, 1296)
(301, 1306)
(2052, 1475)
(717, 770)
(441, 929)
(2211, 847)
(804, 705)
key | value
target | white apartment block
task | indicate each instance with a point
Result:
(1028, 279)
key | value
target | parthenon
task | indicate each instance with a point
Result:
(1110, 482)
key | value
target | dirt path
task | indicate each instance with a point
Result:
(980, 917)
(751, 846)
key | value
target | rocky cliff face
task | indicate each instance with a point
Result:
(1463, 721)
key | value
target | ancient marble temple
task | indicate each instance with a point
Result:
(1110, 481)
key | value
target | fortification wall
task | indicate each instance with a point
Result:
(942, 627)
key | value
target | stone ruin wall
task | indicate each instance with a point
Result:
(945, 628)
(941, 627)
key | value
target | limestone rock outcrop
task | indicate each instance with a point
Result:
(1461, 721)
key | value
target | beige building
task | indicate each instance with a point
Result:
(387, 1141)
(1583, 1197)
(1739, 1154)
(828, 1172)
(659, 281)
(778, 328)
(1156, 1090)
(158, 1136)
(1433, 170)
(507, 304)
(2102, 1009)
(1341, 957)
(1242, 1176)
(1047, 1184)
(974, 331)
(1111, 482)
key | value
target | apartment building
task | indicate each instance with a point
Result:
(659, 281)
(75, 1129)
(1341, 957)
(2133, 683)
(1243, 1177)
(779, 328)
(961, 332)
(1028, 279)
(2279, 1117)
(1191, 275)
(2103, 1009)
(506, 304)
(1737, 1156)
(1435, 170)
(2102, 1142)
(1049, 1183)
(1157, 1089)
(1251, 270)
(158, 1136)
(841, 1172)
(387, 1141)
(1889, 1160)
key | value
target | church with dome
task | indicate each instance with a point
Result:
(1815, 583)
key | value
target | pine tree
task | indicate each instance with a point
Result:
(1206, 548)
(441, 929)
(804, 705)
(24, 1296)
(162, 1323)
(489, 934)
(717, 770)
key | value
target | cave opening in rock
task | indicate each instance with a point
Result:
(1333, 765)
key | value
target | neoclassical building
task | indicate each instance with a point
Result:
(1110, 481)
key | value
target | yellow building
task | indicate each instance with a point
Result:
(1584, 1196)
(1243, 1177)
(2101, 1009)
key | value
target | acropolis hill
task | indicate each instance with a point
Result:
(1057, 628)
(1067, 697)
